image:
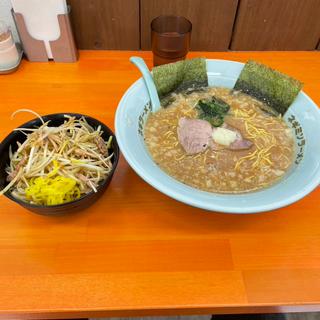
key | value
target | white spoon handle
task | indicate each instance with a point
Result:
(155, 102)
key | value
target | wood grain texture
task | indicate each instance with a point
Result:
(298, 284)
(136, 251)
(212, 21)
(106, 24)
(277, 25)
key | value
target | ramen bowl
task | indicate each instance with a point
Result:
(304, 175)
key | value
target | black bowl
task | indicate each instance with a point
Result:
(56, 120)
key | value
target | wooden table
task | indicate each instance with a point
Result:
(136, 251)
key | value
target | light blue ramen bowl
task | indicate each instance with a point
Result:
(304, 176)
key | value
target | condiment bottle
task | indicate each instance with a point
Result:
(9, 55)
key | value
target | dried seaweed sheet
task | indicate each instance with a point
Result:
(180, 76)
(272, 87)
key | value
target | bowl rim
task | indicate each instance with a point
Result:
(167, 190)
(101, 185)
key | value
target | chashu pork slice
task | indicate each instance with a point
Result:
(194, 135)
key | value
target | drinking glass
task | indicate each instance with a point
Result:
(170, 38)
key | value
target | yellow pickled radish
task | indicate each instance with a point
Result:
(52, 190)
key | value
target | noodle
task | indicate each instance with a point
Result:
(222, 170)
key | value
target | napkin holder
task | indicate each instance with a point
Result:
(63, 49)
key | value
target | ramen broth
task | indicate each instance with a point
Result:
(268, 158)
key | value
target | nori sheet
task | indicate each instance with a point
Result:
(180, 76)
(272, 87)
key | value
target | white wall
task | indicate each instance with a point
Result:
(5, 15)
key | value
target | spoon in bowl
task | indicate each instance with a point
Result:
(154, 98)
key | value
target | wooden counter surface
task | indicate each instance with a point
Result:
(136, 251)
